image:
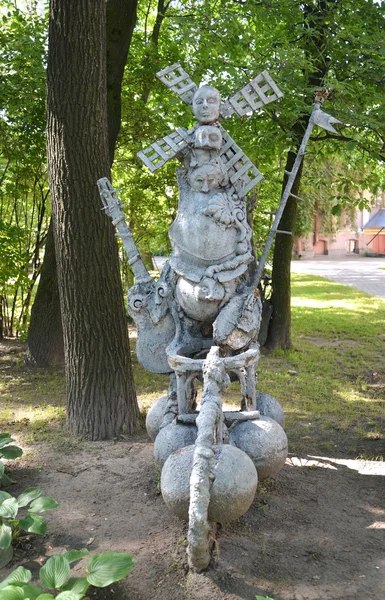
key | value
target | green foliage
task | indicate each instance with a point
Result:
(103, 569)
(9, 452)
(23, 178)
(340, 44)
(32, 522)
(336, 45)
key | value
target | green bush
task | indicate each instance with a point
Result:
(32, 521)
(9, 452)
(102, 570)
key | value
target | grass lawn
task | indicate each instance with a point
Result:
(331, 383)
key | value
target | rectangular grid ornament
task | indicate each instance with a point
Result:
(243, 175)
(260, 91)
(156, 155)
(179, 81)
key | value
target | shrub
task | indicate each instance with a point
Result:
(102, 570)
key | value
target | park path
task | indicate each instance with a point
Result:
(361, 272)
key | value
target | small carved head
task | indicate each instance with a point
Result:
(207, 177)
(206, 103)
(208, 137)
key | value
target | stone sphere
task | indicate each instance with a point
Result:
(171, 438)
(268, 406)
(155, 417)
(232, 491)
(264, 441)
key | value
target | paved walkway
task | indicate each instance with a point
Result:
(361, 272)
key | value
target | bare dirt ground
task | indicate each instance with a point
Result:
(317, 532)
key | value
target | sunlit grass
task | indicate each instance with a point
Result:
(338, 356)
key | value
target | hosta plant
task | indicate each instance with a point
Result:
(31, 503)
(102, 570)
(8, 451)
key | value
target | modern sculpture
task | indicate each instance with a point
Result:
(201, 318)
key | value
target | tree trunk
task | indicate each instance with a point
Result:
(1, 319)
(317, 20)
(45, 336)
(45, 333)
(121, 19)
(100, 393)
(279, 334)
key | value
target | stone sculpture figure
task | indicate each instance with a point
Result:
(202, 317)
(210, 237)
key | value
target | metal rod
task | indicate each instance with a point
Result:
(286, 193)
(373, 238)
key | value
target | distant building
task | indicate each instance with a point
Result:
(364, 234)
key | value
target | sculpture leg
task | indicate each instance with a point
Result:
(251, 394)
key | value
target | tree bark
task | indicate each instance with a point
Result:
(121, 19)
(100, 393)
(45, 333)
(318, 21)
(279, 333)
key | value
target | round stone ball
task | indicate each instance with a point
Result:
(171, 438)
(268, 406)
(232, 491)
(264, 441)
(155, 417)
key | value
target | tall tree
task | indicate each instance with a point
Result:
(100, 393)
(45, 344)
(332, 37)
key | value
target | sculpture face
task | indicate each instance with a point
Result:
(206, 103)
(205, 178)
(200, 300)
(208, 137)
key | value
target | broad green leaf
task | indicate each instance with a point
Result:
(42, 504)
(74, 555)
(108, 567)
(11, 452)
(5, 480)
(9, 508)
(45, 597)
(77, 585)
(263, 598)
(12, 592)
(69, 596)
(19, 575)
(34, 524)
(5, 439)
(5, 536)
(2, 468)
(4, 496)
(55, 572)
(28, 495)
(31, 592)
(336, 209)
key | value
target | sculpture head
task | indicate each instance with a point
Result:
(206, 103)
(208, 137)
(207, 177)
(201, 300)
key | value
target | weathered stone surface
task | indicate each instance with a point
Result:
(232, 491)
(204, 308)
(268, 406)
(264, 441)
(155, 416)
(171, 438)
